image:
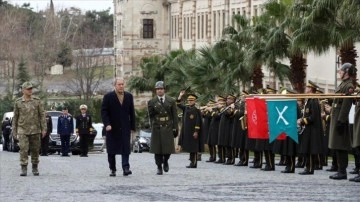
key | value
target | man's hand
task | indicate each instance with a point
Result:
(195, 135)
(108, 128)
(43, 134)
(175, 133)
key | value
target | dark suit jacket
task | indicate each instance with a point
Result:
(121, 117)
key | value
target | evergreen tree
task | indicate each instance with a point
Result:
(23, 74)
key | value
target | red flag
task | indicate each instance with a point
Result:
(257, 118)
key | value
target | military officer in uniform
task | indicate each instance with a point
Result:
(339, 138)
(28, 122)
(192, 141)
(84, 129)
(311, 137)
(356, 139)
(65, 129)
(164, 127)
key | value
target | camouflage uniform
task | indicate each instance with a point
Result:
(28, 122)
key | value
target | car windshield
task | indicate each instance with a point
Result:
(144, 133)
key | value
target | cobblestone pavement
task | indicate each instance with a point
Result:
(87, 179)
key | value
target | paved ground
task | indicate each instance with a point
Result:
(86, 179)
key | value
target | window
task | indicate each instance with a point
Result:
(148, 28)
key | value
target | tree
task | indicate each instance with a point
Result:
(22, 76)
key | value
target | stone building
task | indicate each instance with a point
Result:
(149, 27)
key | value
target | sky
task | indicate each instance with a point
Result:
(84, 5)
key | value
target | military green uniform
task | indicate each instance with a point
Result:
(339, 138)
(28, 122)
(164, 126)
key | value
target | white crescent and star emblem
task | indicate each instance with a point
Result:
(254, 117)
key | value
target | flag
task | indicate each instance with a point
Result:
(282, 119)
(257, 118)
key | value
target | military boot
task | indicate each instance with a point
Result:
(23, 170)
(35, 170)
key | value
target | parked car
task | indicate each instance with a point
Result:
(98, 140)
(142, 141)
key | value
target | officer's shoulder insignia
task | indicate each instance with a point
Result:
(191, 116)
(307, 110)
(35, 98)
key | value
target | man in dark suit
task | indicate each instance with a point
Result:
(84, 129)
(164, 127)
(118, 116)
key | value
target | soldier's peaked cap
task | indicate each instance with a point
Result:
(27, 85)
(191, 97)
(311, 84)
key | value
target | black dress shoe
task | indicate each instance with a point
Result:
(288, 171)
(229, 162)
(318, 168)
(127, 172)
(238, 164)
(255, 166)
(159, 171)
(219, 161)
(268, 168)
(355, 179)
(354, 172)
(210, 160)
(191, 166)
(332, 169)
(166, 167)
(338, 176)
(112, 174)
(305, 172)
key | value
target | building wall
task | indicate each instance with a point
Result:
(188, 24)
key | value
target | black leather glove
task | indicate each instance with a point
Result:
(175, 133)
(340, 128)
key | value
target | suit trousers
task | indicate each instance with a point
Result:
(124, 161)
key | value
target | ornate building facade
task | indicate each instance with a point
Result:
(149, 27)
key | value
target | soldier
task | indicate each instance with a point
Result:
(28, 122)
(356, 140)
(225, 127)
(84, 129)
(6, 130)
(45, 140)
(212, 140)
(206, 114)
(239, 131)
(192, 141)
(339, 138)
(312, 130)
(164, 127)
(65, 128)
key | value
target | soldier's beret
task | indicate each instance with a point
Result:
(27, 85)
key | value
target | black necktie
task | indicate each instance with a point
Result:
(161, 100)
